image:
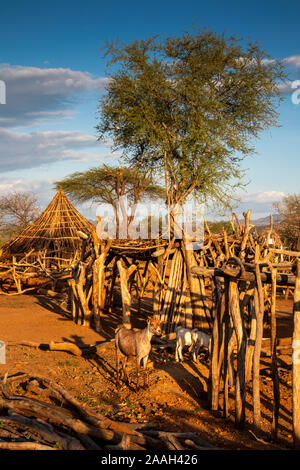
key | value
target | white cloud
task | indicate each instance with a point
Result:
(20, 150)
(293, 61)
(260, 203)
(263, 197)
(48, 81)
(42, 188)
(34, 93)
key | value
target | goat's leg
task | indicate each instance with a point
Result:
(145, 360)
(192, 351)
(124, 364)
(138, 371)
(176, 353)
(180, 348)
(195, 352)
(118, 367)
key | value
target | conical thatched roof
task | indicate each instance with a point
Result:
(55, 230)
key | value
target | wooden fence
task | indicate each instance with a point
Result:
(226, 287)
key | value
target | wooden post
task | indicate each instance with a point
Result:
(239, 329)
(98, 279)
(228, 343)
(223, 310)
(276, 389)
(259, 309)
(215, 347)
(227, 253)
(170, 292)
(296, 361)
(246, 233)
(126, 297)
(205, 308)
(74, 300)
(114, 272)
(251, 341)
(187, 316)
(82, 297)
(199, 319)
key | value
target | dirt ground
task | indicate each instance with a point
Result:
(176, 399)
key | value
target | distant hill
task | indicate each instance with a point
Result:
(266, 220)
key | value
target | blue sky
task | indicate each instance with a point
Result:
(51, 62)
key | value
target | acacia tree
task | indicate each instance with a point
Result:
(188, 107)
(113, 185)
(17, 210)
(289, 226)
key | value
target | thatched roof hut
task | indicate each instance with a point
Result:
(54, 232)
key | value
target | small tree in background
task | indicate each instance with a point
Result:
(217, 226)
(289, 227)
(113, 185)
(17, 210)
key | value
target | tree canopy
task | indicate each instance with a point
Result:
(289, 226)
(121, 187)
(17, 210)
(188, 108)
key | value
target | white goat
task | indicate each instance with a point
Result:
(200, 338)
(183, 338)
(192, 338)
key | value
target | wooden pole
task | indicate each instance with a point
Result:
(223, 309)
(74, 300)
(276, 389)
(170, 291)
(281, 278)
(226, 350)
(86, 313)
(194, 286)
(251, 342)
(229, 341)
(296, 361)
(214, 360)
(246, 234)
(98, 279)
(239, 329)
(126, 297)
(114, 272)
(205, 308)
(259, 310)
(227, 253)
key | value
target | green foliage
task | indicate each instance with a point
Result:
(17, 210)
(108, 184)
(216, 226)
(188, 107)
(289, 227)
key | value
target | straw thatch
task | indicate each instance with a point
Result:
(55, 231)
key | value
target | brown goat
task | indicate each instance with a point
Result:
(135, 343)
